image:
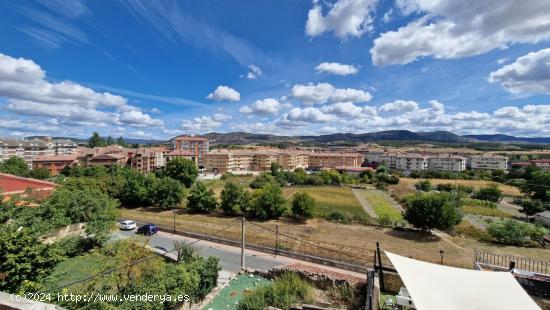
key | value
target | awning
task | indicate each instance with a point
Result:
(436, 287)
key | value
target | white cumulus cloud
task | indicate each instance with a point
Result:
(336, 68)
(262, 107)
(224, 93)
(323, 92)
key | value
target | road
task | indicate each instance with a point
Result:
(230, 258)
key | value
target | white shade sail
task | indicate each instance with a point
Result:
(436, 287)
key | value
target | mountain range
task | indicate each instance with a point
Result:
(338, 138)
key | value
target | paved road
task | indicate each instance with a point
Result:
(229, 260)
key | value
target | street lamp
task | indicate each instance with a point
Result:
(441, 253)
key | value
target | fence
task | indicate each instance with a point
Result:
(503, 261)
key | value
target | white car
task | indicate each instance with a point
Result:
(127, 225)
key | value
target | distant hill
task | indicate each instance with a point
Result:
(509, 139)
(127, 140)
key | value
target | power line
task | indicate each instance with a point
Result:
(106, 272)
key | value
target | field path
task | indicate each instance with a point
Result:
(358, 193)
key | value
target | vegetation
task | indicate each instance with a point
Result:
(531, 207)
(382, 206)
(302, 206)
(167, 192)
(201, 199)
(429, 211)
(183, 170)
(268, 203)
(16, 166)
(285, 290)
(234, 199)
(485, 211)
(424, 185)
(97, 141)
(489, 193)
(512, 232)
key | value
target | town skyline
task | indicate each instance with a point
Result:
(345, 66)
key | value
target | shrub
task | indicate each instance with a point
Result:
(513, 232)
(385, 220)
(338, 217)
(286, 289)
(263, 180)
(73, 246)
(424, 185)
(490, 193)
(268, 203)
(302, 206)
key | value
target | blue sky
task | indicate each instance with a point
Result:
(155, 69)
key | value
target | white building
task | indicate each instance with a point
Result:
(411, 162)
(447, 162)
(64, 146)
(488, 162)
(28, 150)
(390, 160)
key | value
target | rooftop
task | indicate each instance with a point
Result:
(11, 184)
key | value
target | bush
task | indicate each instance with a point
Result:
(338, 217)
(385, 220)
(490, 193)
(286, 289)
(263, 180)
(447, 187)
(513, 232)
(432, 210)
(201, 199)
(73, 246)
(424, 185)
(268, 203)
(302, 206)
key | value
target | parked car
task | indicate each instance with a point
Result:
(148, 229)
(127, 225)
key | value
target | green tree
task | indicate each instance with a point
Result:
(120, 141)
(110, 141)
(167, 192)
(234, 199)
(262, 180)
(302, 206)
(16, 166)
(136, 191)
(96, 140)
(201, 199)
(427, 211)
(424, 185)
(23, 258)
(538, 185)
(183, 170)
(531, 207)
(513, 232)
(40, 173)
(269, 203)
(490, 193)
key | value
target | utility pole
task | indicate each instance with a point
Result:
(276, 240)
(174, 220)
(242, 243)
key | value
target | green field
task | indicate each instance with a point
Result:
(485, 211)
(75, 268)
(382, 205)
(329, 199)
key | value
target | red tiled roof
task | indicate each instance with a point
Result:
(64, 157)
(180, 153)
(11, 184)
(541, 161)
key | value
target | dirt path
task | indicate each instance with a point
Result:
(358, 193)
(508, 206)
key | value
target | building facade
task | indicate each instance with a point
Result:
(197, 145)
(411, 162)
(447, 162)
(55, 163)
(488, 162)
(148, 159)
(333, 160)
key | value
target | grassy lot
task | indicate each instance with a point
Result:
(218, 184)
(328, 199)
(485, 211)
(382, 205)
(354, 240)
(73, 269)
(406, 186)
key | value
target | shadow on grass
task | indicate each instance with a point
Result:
(413, 235)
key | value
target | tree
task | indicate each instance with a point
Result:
(201, 199)
(424, 185)
(490, 193)
(120, 141)
(23, 258)
(16, 166)
(110, 141)
(302, 206)
(183, 170)
(262, 180)
(96, 140)
(531, 207)
(513, 232)
(427, 211)
(40, 173)
(268, 203)
(538, 186)
(234, 199)
(167, 192)
(136, 190)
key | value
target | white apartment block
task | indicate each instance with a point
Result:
(488, 162)
(389, 160)
(447, 162)
(28, 150)
(63, 146)
(411, 162)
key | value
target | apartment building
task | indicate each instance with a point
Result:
(179, 154)
(487, 162)
(411, 162)
(148, 159)
(389, 160)
(261, 161)
(447, 162)
(26, 149)
(196, 145)
(543, 164)
(373, 157)
(222, 161)
(55, 163)
(292, 160)
(64, 146)
(109, 160)
(333, 160)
